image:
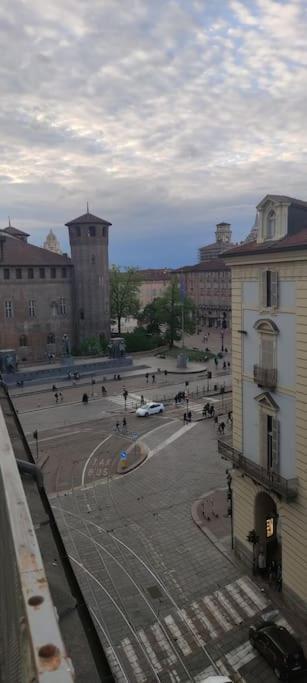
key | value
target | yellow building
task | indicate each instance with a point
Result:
(269, 346)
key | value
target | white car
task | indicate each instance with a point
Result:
(150, 409)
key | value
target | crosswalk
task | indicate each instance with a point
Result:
(171, 643)
(195, 405)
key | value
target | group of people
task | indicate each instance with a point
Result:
(273, 571)
(58, 396)
(124, 425)
(153, 377)
(187, 417)
(208, 410)
(116, 377)
(181, 396)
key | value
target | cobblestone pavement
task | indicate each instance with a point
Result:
(169, 605)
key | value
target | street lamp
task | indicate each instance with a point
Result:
(222, 340)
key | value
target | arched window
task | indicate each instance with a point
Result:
(271, 225)
(50, 338)
(23, 340)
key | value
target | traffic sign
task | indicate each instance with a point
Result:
(135, 435)
(123, 455)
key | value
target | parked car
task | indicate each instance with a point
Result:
(150, 409)
(279, 647)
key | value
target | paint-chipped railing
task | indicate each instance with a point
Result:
(32, 648)
(287, 488)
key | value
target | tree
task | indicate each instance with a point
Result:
(124, 288)
(150, 317)
(167, 311)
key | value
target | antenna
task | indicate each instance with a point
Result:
(9, 222)
(87, 209)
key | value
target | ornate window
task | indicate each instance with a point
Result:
(30, 273)
(8, 307)
(62, 306)
(6, 273)
(270, 225)
(269, 428)
(269, 289)
(32, 309)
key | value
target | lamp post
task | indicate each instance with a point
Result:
(35, 436)
(222, 340)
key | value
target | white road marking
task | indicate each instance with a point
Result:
(241, 655)
(236, 595)
(133, 660)
(217, 613)
(90, 456)
(151, 653)
(171, 439)
(60, 436)
(228, 607)
(163, 643)
(176, 633)
(183, 613)
(253, 592)
(204, 620)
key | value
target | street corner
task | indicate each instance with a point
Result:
(131, 458)
(210, 513)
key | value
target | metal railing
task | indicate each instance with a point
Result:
(32, 648)
(287, 488)
(265, 377)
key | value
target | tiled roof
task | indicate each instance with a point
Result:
(14, 231)
(19, 253)
(289, 242)
(213, 264)
(154, 274)
(87, 218)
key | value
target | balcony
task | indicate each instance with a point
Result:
(286, 488)
(265, 377)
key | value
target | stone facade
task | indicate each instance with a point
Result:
(221, 244)
(208, 285)
(153, 283)
(45, 295)
(269, 365)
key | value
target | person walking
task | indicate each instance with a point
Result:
(61, 396)
(142, 400)
(261, 562)
(124, 424)
(56, 396)
(147, 377)
(153, 378)
(85, 399)
(117, 426)
(103, 390)
(185, 418)
(222, 427)
(189, 416)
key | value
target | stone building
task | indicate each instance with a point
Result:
(208, 285)
(153, 283)
(45, 295)
(222, 243)
(269, 365)
(52, 243)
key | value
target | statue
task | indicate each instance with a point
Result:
(117, 347)
(66, 345)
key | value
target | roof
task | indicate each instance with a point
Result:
(16, 252)
(14, 231)
(212, 264)
(289, 242)
(154, 274)
(282, 198)
(86, 219)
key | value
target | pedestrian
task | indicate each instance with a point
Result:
(261, 562)
(153, 378)
(204, 412)
(93, 381)
(142, 400)
(185, 418)
(229, 416)
(103, 390)
(118, 377)
(85, 399)
(124, 424)
(224, 364)
(278, 577)
(215, 419)
(56, 396)
(189, 416)
(61, 396)
(272, 572)
(114, 377)
(228, 364)
(117, 426)
(54, 388)
(222, 426)
(147, 376)
(165, 373)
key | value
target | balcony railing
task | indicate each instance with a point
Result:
(265, 377)
(287, 488)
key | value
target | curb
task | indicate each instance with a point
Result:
(142, 458)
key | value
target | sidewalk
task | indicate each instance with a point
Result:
(209, 513)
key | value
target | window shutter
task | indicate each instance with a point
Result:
(267, 352)
(262, 288)
(262, 439)
(274, 288)
(275, 444)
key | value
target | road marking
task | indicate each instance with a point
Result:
(204, 620)
(173, 437)
(241, 655)
(59, 436)
(217, 613)
(228, 607)
(186, 619)
(178, 637)
(163, 643)
(253, 593)
(90, 456)
(236, 595)
(133, 660)
(151, 653)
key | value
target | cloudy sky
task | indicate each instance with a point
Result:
(168, 116)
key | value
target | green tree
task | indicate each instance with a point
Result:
(124, 289)
(150, 316)
(167, 311)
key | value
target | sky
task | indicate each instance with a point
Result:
(167, 116)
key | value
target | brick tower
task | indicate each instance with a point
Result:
(88, 236)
